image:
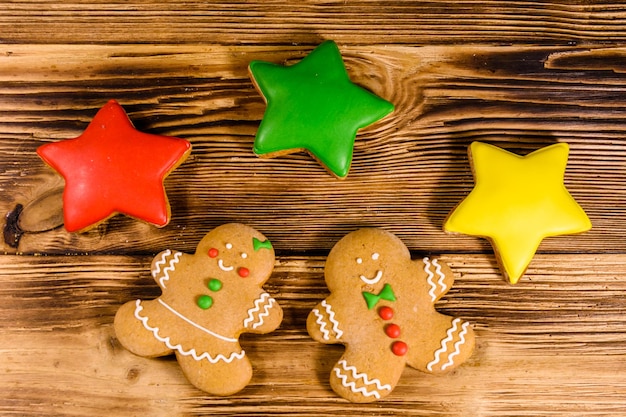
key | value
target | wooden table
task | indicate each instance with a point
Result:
(520, 75)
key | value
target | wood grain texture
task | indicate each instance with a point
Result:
(552, 344)
(308, 22)
(412, 165)
(520, 75)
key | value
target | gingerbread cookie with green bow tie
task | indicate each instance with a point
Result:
(208, 299)
(381, 307)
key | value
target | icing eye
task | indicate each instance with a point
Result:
(375, 256)
(359, 261)
(229, 246)
(213, 253)
(244, 255)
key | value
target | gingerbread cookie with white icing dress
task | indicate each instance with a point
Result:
(381, 307)
(208, 299)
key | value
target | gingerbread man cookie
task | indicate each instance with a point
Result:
(208, 299)
(381, 307)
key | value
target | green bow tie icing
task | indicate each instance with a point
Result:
(314, 106)
(258, 244)
(385, 294)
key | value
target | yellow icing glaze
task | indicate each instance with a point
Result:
(517, 201)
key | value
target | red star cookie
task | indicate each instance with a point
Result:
(114, 168)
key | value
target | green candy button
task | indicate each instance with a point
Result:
(215, 284)
(205, 301)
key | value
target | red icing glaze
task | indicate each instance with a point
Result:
(392, 330)
(113, 168)
(243, 272)
(213, 253)
(399, 348)
(385, 313)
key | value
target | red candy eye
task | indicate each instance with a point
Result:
(243, 272)
(213, 252)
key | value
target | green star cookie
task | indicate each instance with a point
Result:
(314, 106)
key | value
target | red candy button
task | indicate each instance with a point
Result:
(243, 272)
(399, 348)
(385, 313)
(392, 330)
(213, 252)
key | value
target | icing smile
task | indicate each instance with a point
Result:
(224, 268)
(372, 281)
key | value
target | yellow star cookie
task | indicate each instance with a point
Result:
(517, 201)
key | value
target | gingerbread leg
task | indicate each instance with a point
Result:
(362, 379)
(226, 376)
(452, 342)
(132, 334)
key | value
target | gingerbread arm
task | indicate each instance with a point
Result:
(438, 277)
(163, 265)
(322, 324)
(264, 316)
(135, 334)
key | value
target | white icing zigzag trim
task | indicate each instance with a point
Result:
(160, 262)
(166, 270)
(442, 277)
(457, 346)
(357, 376)
(192, 352)
(431, 282)
(321, 323)
(331, 316)
(257, 307)
(445, 341)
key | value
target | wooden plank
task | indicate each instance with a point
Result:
(309, 22)
(520, 75)
(552, 345)
(408, 171)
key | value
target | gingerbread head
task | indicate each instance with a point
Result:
(381, 307)
(208, 299)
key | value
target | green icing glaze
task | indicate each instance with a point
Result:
(313, 105)
(258, 244)
(385, 294)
